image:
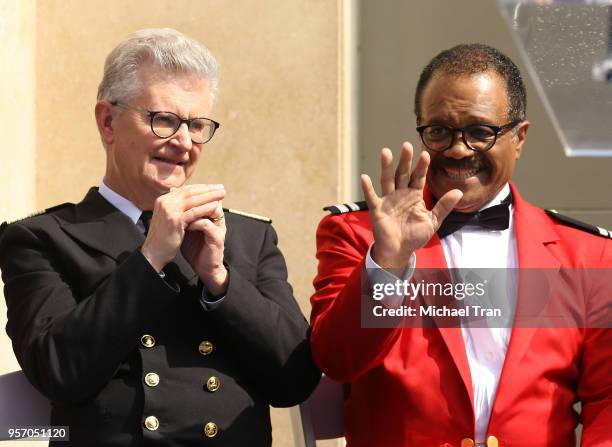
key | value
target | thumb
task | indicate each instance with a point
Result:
(369, 193)
(444, 206)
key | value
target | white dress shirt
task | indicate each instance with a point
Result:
(476, 247)
(122, 204)
(485, 347)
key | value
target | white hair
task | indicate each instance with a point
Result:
(165, 48)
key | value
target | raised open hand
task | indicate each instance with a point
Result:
(401, 222)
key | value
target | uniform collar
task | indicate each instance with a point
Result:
(499, 198)
(120, 202)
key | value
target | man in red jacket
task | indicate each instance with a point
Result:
(463, 385)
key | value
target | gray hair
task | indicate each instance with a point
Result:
(167, 49)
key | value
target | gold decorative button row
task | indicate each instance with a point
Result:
(211, 430)
(152, 379)
(151, 423)
(205, 347)
(213, 384)
(148, 341)
(491, 442)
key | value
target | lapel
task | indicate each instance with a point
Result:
(431, 256)
(101, 226)
(533, 233)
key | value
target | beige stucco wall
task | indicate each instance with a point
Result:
(18, 150)
(17, 115)
(281, 89)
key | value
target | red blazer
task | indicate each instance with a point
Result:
(412, 386)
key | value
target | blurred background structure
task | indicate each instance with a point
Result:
(310, 92)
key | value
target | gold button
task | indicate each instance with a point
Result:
(205, 347)
(152, 379)
(492, 441)
(211, 430)
(467, 442)
(213, 384)
(147, 341)
(152, 423)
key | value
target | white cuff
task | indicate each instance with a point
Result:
(378, 275)
(208, 304)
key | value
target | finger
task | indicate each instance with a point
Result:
(196, 200)
(218, 216)
(387, 179)
(445, 205)
(417, 179)
(369, 193)
(201, 225)
(188, 191)
(207, 227)
(402, 173)
(199, 212)
(201, 187)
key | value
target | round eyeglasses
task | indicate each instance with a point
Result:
(166, 124)
(477, 137)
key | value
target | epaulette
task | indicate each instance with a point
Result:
(37, 213)
(570, 221)
(342, 208)
(251, 215)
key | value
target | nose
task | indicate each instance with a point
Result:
(458, 149)
(181, 139)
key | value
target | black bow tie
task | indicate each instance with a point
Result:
(493, 218)
(145, 218)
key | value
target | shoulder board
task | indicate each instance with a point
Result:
(37, 213)
(342, 208)
(250, 215)
(570, 221)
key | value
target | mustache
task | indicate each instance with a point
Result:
(476, 162)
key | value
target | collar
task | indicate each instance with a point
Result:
(120, 202)
(505, 192)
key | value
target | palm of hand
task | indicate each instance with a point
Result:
(404, 221)
(401, 222)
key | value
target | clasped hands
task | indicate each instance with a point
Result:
(190, 218)
(401, 222)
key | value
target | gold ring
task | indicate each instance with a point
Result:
(217, 219)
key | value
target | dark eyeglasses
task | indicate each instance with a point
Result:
(166, 124)
(477, 137)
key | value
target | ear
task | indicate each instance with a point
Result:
(104, 120)
(519, 137)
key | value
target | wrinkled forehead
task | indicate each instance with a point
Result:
(478, 95)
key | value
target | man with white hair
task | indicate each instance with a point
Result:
(145, 313)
